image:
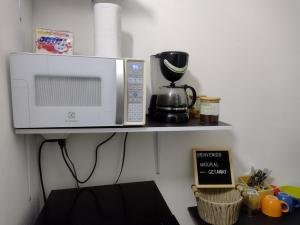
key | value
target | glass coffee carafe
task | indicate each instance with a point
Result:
(173, 103)
(175, 98)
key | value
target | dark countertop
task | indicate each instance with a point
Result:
(139, 203)
(286, 219)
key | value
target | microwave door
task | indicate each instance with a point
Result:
(78, 92)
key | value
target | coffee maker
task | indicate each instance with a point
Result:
(170, 103)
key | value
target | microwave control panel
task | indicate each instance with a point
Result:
(135, 91)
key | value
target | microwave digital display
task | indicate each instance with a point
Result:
(136, 67)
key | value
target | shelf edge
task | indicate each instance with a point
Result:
(118, 130)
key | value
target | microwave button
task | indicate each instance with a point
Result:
(140, 109)
(134, 117)
(130, 80)
(130, 107)
(131, 87)
(135, 108)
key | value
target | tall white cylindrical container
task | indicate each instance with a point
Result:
(107, 28)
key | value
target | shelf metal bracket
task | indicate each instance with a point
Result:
(28, 144)
(156, 152)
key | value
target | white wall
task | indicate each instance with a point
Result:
(19, 203)
(247, 52)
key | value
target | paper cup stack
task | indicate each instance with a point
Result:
(107, 22)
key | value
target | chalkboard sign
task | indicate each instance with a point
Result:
(213, 168)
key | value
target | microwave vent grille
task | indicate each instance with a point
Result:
(67, 90)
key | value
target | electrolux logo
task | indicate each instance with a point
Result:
(71, 117)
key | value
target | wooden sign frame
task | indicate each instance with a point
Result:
(195, 150)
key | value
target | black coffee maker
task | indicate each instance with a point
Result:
(171, 104)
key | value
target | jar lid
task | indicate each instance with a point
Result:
(210, 99)
(200, 96)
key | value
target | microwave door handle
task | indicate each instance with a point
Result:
(120, 92)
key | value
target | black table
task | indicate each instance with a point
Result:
(139, 203)
(286, 219)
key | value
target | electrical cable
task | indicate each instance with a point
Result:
(73, 166)
(65, 155)
(74, 174)
(123, 157)
(69, 163)
(40, 166)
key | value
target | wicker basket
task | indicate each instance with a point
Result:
(218, 206)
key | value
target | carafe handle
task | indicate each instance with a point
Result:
(194, 94)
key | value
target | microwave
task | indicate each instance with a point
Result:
(51, 91)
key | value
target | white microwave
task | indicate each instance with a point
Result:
(50, 91)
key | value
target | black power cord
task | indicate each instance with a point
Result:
(71, 167)
(69, 163)
(123, 157)
(65, 155)
(40, 165)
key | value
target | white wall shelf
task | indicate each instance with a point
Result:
(151, 126)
